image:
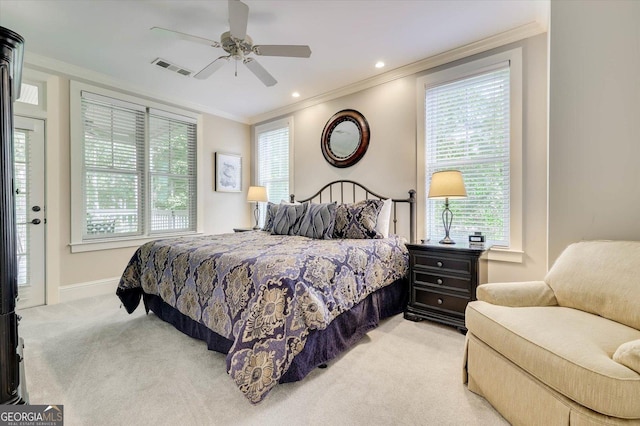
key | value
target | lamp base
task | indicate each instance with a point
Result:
(256, 215)
(446, 240)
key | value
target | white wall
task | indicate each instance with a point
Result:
(389, 166)
(73, 275)
(594, 125)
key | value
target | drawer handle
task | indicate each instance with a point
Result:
(439, 301)
(439, 264)
(439, 281)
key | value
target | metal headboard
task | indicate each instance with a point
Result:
(336, 191)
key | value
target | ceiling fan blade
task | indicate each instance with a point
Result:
(238, 17)
(211, 68)
(295, 51)
(260, 72)
(183, 36)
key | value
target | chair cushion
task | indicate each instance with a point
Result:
(601, 277)
(567, 349)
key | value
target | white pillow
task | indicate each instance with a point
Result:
(289, 203)
(628, 354)
(384, 218)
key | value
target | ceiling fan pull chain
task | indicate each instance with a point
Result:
(236, 67)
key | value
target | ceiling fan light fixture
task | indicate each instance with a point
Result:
(239, 46)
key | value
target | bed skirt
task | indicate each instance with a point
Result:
(321, 345)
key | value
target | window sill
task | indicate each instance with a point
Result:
(110, 244)
(505, 255)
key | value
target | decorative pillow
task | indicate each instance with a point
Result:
(628, 354)
(358, 220)
(288, 218)
(272, 210)
(384, 218)
(319, 221)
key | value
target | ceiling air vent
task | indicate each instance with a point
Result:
(171, 67)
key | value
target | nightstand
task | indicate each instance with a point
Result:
(442, 280)
(243, 229)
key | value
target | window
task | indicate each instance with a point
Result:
(32, 95)
(272, 160)
(471, 121)
(29, 94)
(133, 168)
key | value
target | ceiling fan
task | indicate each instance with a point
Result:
(239, 46)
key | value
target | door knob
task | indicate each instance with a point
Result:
(36, 221)
(36, 208)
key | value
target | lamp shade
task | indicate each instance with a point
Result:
(257, 194)
(447, 184)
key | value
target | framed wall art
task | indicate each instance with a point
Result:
(228, 172)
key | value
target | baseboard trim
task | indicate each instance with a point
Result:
(88, 289)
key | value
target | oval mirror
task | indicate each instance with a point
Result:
(345, 138)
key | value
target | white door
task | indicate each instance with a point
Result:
(30, 210)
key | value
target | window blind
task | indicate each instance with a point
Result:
(468, 129)
(172, 171)
(113, 184)
(273, 164)
(139, 169)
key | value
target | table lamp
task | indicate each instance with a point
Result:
(447, 184)
(257, 194)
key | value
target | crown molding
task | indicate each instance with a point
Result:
(520, 33)
(73, 72)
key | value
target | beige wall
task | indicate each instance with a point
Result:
(224, 211)
(389, 166)
(594, 126)
(221, 212)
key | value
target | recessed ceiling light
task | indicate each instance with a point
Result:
(379, 64)
(295, 94)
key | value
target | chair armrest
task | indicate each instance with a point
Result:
(517, 294)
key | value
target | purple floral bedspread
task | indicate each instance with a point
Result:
(263, 292)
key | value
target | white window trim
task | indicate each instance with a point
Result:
(77, 198)
(272, 125)
(514, 252)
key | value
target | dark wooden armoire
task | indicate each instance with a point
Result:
(11, 365)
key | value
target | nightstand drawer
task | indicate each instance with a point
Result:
(454, 264)
(462, 284)
(439, 301)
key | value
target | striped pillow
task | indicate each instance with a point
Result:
(288, 218)
(272, 210)
(319, 221)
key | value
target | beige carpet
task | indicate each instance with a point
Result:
(110, 368)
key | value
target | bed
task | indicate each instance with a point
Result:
(279, 305)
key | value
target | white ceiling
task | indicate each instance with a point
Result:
(347, 38)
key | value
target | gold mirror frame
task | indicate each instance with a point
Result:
(340, 145)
